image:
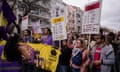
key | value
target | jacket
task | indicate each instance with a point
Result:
(107, 57)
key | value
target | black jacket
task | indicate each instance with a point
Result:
(65, 55)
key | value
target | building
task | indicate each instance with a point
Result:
(71, 25)
(58, 8)
(74, 16)
(79, 16)
(41, 12)
(38, 11)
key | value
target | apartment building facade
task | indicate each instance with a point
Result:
(74, 16)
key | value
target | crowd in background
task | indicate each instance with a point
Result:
(101, 54)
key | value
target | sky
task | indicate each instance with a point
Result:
(110, 15)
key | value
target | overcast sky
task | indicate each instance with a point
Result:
(110, 16)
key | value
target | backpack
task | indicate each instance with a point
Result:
(77, 59)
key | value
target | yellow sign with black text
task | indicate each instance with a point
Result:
(57, 20)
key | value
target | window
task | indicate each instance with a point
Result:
(40, 21)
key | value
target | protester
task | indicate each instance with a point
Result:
(80, 59)
(118, 37)
(14, 51)
(64, 57)
(47, 37)
(102, 55)
(27, 36)
(111, 42)
(117, 60)
(117, 53)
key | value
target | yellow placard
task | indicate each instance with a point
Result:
(57, 20)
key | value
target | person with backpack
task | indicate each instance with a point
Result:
(80, 59)
(102, 55)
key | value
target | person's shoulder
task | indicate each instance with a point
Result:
(67, 48)
(94, 47)
(108, 47)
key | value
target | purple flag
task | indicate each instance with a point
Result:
(7, 12)
(9, 15)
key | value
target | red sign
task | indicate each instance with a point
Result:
(92, 6)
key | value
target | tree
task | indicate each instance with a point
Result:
(26, 6)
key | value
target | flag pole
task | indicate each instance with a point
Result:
(89, 39)
(60, 44)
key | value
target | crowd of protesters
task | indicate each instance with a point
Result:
(101, 54)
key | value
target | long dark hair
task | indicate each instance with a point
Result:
(62, 42)
(50, 33)
(11, 51)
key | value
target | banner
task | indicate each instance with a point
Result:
(91, 19)
(47, 56)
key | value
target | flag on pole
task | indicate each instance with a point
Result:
(6, 18)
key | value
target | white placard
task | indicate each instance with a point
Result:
(59, 28)
(59, 20)
(24, 24)
(91, 19)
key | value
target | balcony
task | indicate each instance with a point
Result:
(40, 13)
(43, 4)
(45, 25)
